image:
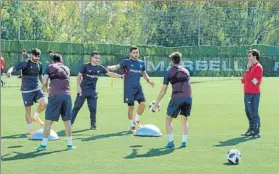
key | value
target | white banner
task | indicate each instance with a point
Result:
(200, 65)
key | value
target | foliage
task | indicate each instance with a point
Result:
(138, 22)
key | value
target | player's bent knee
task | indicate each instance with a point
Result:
(44, 105)
(43, 102)
(142, 104)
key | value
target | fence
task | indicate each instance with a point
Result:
(201, 61)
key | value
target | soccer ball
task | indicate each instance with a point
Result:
(233, 156)
(152, 104)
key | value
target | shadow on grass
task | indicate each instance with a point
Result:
(22, 156)
(97, 137)
(15, 136)
(136, 145)
(232, 141)
(151, 153)
(62, 132)
(229, 164)
(10, 147)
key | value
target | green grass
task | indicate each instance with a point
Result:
(217, 116)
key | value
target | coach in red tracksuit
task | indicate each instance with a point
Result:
(252, 80)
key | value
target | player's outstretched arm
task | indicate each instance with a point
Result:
(9, 72)
(113, 67)
(19, 66)
(114, 75)
(160, 96)
(45, 83)
(146, 77)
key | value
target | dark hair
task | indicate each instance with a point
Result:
(36, 52)
(57, 57)
(176, 57)
(24, 50)
(133, 48)
(256, 53)
(94, 53)
(50, 51)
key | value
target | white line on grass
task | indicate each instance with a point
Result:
(164, 135)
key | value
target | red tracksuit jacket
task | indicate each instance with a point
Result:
(252, 79)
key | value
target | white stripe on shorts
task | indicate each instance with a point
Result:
(30, 91)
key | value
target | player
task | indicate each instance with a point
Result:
(60, 102)
(181, 99)
(50, 54)
(134, 69)
(2, 70)
(86, 86)
(252, 81)
(25, 55)
(31, 92)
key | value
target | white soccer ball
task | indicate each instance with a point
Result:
(152, 104)
(234, 156)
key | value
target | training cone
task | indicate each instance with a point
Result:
(38, 135)
(148, 130)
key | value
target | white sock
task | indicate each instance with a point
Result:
(30, 127)
(44, 141)
(69, 141)
(137, 117)
(170, 137)
(132, 123)
(184, 138)
(36, 115)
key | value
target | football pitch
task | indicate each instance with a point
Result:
(215, 125)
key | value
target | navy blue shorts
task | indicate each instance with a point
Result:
(31, 97)
(132, 95)
(60, 104)
(182, 105)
